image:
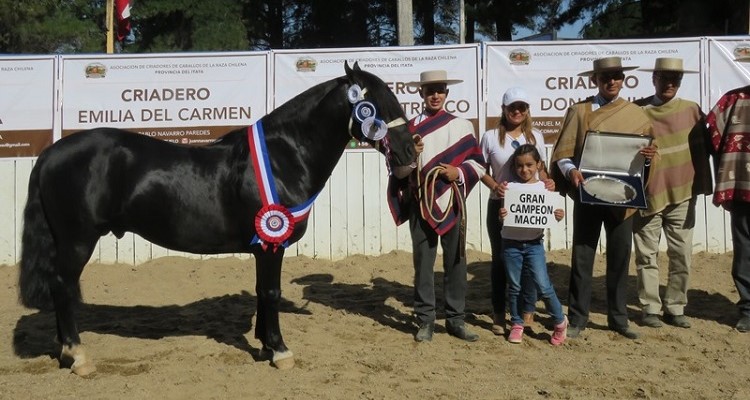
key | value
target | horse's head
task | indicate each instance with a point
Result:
(378, 118)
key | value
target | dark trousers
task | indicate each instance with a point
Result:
(424, 247)
(587, 222)
(740, 216)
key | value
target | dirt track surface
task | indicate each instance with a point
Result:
(177, 328)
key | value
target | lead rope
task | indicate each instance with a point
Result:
(423, 192)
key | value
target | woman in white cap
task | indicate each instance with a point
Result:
(513, 130)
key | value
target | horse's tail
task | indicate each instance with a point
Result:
(37, 250)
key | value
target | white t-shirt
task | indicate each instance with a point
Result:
(497, 156)
(524, 234)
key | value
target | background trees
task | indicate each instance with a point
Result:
(77, 26)
(657, 18)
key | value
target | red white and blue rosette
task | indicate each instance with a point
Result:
(274, 225)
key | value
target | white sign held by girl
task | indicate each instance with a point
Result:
(530, 209)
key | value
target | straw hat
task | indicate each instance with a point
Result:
(436, 76)
(669, 64)
(607, 64)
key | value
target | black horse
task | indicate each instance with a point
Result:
(199, 199)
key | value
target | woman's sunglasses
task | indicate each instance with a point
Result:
(522, 107)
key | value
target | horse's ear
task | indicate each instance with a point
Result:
(356, 66)
(347, 69)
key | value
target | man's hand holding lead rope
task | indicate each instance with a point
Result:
(449, 173)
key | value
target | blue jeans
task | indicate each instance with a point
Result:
(497, 272)
(523, 256)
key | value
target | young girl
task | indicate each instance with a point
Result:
(523, 248)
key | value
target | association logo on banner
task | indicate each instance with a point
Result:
(96, 70)
(741, 51)
(519, 57)
(306, 64)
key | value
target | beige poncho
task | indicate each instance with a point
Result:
(619, 116)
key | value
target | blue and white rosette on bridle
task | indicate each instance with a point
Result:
(366, 114)
(274, 223)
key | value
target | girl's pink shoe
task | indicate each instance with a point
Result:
(559, 333)
(516, 333)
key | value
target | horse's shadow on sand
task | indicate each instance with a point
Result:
(226, 319)
(701, 304)
(377, 301)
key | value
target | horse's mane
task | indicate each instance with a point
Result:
(293, 117)
(300, 104)
(378, 93)
(304, 102)
(285, 119)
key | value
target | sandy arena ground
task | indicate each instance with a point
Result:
(177, 328)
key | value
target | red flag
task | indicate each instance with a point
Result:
(122, 15)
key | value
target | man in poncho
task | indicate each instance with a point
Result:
(607, 112)
(729, 125)
(432, 200)
(682, 173)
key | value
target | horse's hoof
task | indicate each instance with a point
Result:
(83, 369)
(75, 356)
(283, 360)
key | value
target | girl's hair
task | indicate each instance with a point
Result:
(525, 127)
(521, 150)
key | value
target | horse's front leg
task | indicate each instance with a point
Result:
(268, 289)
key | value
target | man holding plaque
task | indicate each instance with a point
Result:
(682, 173)
(606, 112)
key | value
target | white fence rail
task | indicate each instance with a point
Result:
(350, 217)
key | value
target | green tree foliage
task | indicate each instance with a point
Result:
(51, 26)
(343, 23)
(424, 10)
(189, 25)
(78, 26)
(657, 18)
(501, 17)
(619, 21)
(486, 19)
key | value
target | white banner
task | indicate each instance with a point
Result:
(549, 73)
(531, 209)
(27, 104)
(725, 74)
(298, 70)
(182, 98)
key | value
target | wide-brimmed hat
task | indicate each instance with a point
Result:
(607, 64)
(668, 64)
(431, 77)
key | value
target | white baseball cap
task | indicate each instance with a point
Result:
(515, 94)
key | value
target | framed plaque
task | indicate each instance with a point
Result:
(613, 169)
